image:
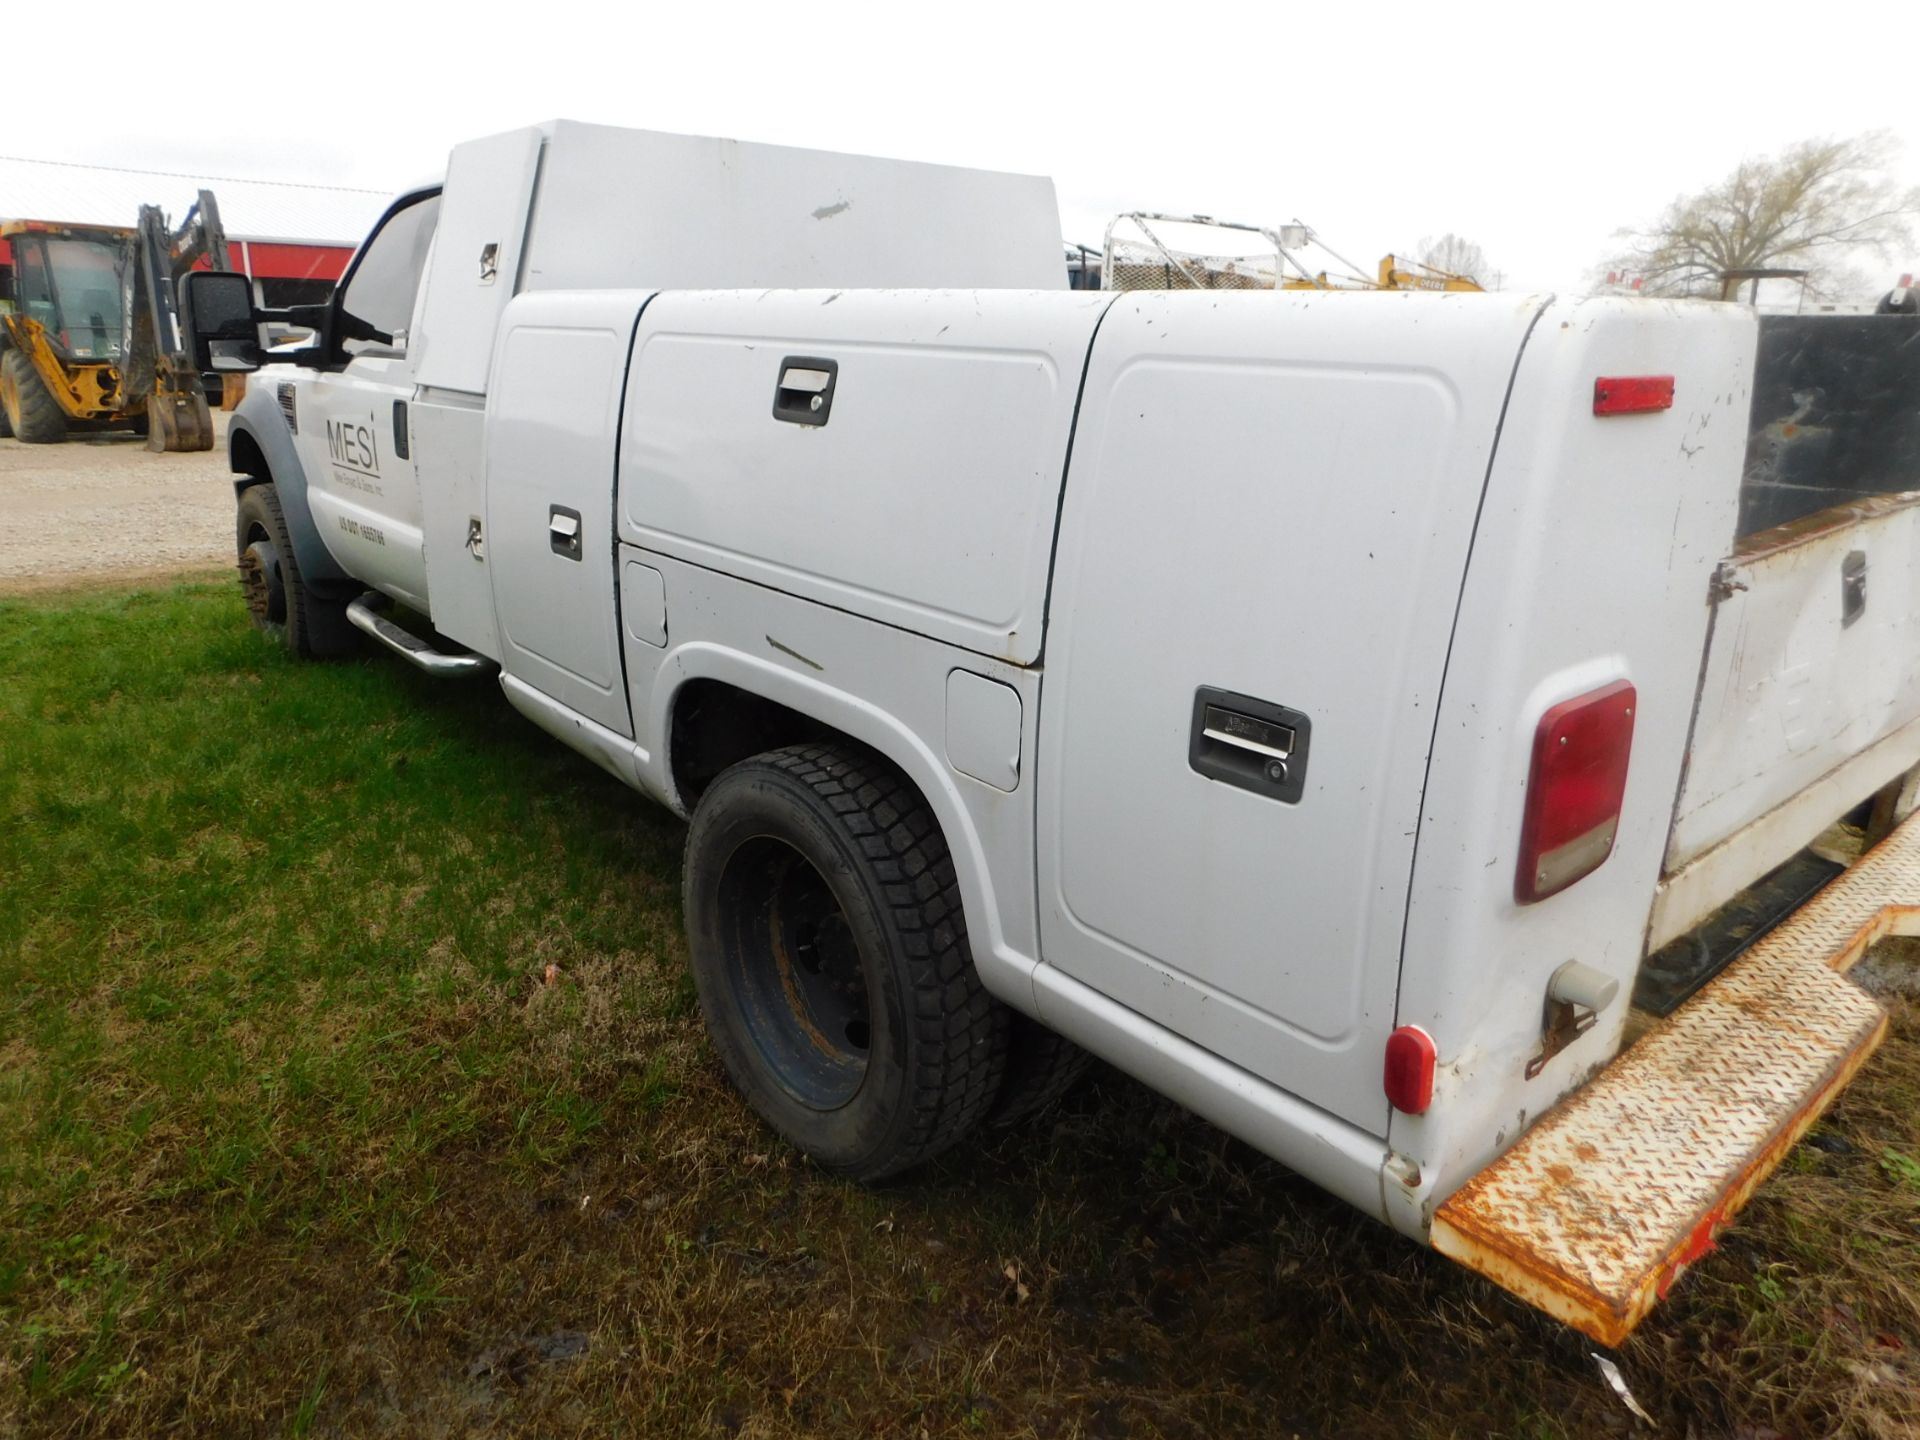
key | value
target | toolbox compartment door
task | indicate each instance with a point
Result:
(1267, 521)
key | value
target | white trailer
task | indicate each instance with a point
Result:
(1319, 707)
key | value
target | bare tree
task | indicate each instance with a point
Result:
(1802, 209)
(1456, 255)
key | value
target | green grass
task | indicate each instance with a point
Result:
(296, 1140)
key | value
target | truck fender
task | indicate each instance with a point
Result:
(260, 447)
(1005, 972)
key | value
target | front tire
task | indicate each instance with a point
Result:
(32, 414)
(280, 602)
(831, 960)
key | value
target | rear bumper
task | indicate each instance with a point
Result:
(1603, 1204)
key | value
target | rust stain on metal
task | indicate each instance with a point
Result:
(1597, 1211)
(1791, 534)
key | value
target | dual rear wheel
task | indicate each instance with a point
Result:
(831, 959)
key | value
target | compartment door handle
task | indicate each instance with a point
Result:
(1249, 743)
(803, 395)
(563, 532)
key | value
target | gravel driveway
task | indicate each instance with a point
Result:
(104, 508)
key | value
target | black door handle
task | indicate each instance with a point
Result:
(803, 394)
(1254, 744)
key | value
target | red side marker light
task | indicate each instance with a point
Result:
(1409, 1078)
(1574, 791)
(1632, 394)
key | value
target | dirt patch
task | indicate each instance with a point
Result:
(107, 508)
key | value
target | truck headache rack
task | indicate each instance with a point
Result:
(1601, 1206)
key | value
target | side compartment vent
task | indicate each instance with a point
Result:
(288, 408)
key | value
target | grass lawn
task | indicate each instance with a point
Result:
(351, 1084)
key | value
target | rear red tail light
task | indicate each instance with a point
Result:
(1632, 394)
(1410, 1061)
(1579, 775)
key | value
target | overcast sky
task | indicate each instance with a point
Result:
(1535, 130)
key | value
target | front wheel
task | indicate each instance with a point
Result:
(831, 960)
(280, 602)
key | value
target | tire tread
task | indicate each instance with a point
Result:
(42, 421)
(1042, 1066)
(959, 1032)
(317, 628)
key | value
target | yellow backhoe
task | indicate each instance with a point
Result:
(91, 337)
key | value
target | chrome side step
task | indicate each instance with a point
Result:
(365, 615)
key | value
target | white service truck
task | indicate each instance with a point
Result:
(1326, 708)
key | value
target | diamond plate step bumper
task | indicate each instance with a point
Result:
(1595, 1212)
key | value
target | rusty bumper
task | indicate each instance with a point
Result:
(1603, 1204)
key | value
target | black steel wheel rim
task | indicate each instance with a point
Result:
(797, 975)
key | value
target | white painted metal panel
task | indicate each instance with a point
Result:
(928, 498)
(1694, 891)
(1792, 689)
(553, 412)
(476, 257)
(1270, 495)
(1591, 563)
(983, 729)
(447, 433)
(875, 683)
(643, 602)
(639, 208)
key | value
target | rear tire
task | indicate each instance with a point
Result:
(279, 601)
(1042, 1066)
(32, 414)
(831, 960)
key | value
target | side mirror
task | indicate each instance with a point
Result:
(221, 324)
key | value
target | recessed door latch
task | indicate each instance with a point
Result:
(563, 532)
(1253, 744)
(1853, 587)
(803, 395)
(476, 538)
(1576, 994)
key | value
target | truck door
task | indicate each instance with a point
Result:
(1265, 529)
(553, 426)
(352, 423)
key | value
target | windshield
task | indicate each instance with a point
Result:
(72, 287)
